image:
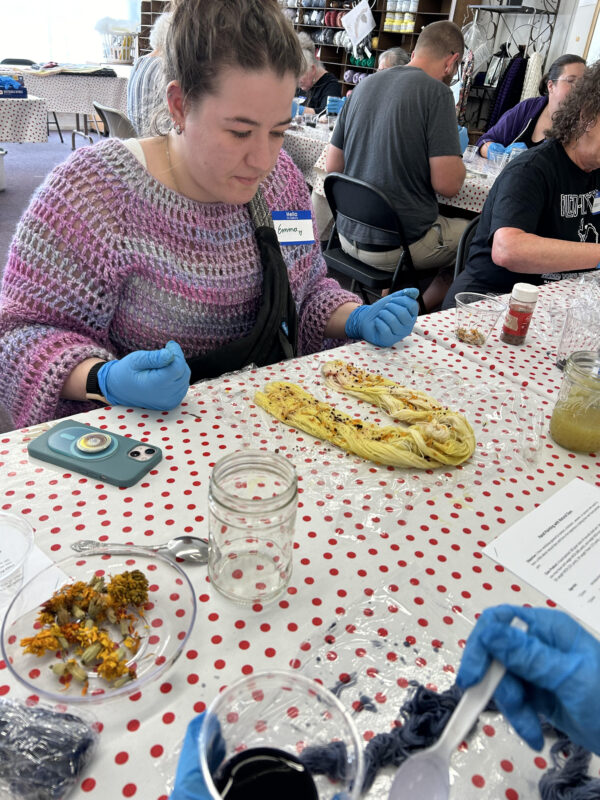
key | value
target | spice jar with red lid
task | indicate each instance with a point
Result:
(520, 310)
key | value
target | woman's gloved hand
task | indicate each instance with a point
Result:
(552, 670)
(495, 149)
(515, 146)
(157, 379)
(189, 783)
(334, 104)
(387, 321)
(463, 138)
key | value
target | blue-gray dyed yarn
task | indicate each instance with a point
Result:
(424, 716)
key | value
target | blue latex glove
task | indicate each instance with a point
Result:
(463, 138)
(156, 379)
(516, 146)
(334, 104)
(552, 670)
(387, 321)
(189, 783)
(495, 149)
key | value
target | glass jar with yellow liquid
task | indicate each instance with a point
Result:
(575, 422)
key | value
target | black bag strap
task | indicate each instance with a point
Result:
(274, 335)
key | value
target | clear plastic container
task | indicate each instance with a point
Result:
(270, 715)
(575, 422)
(252, 498)
(520, 310)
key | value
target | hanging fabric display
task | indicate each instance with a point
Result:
(533, 76)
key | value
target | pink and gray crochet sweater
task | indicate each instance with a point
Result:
(107, 260)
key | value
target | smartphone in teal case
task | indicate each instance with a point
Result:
(100, 454)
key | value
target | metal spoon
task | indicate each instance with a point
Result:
(187, 548)
(426, 774)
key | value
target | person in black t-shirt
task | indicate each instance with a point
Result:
(316, 82)
(542, 214)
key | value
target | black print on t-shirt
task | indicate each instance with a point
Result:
(587, 232)
(574, 205)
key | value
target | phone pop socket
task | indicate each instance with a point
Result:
(94, 442)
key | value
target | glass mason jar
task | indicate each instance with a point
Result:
(252, 500)
(575, 422)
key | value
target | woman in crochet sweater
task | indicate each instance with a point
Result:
(136, 257)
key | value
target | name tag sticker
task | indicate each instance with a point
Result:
(293, 227)
(596, 203)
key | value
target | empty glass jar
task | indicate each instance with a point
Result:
(252, 499)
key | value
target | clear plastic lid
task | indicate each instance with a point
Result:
(525, 292)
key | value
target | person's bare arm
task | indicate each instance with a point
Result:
(447, 174)
(334, 161)
(74, 385)
(518, 251)
(484, 148)
(336, 324)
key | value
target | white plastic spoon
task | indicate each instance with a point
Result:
(425, 775)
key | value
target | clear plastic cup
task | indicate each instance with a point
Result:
(469, 154)
(476, 316)
(581, 331)
(16, 541)
(279, 716)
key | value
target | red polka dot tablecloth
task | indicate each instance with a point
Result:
(23, 119)
(74, 94)
(532, 364)
(471, 197)
(388, 557)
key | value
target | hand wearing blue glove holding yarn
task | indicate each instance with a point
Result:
(157, 379)
(551, 671)
(387, 321)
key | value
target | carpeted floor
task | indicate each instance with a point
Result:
(25, 167)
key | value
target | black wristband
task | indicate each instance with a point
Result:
(92, 387)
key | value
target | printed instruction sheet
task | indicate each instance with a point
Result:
(556, 549)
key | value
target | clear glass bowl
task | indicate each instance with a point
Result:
(164, 626)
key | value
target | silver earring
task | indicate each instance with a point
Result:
(178, 128)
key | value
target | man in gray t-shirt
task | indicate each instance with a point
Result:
(398, 131)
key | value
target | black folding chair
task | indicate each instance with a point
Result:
(26, 62)
(462, 251)
(358, 201)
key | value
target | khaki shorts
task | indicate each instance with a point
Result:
(437, 248)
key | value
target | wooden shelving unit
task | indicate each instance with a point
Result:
(150, 10)
(337, 59)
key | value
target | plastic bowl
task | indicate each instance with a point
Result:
(476, 316)
(164, 625)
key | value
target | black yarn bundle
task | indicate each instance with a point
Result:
(42, 752)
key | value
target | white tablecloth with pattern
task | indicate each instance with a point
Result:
(74, 94)
(307, 148)
(23, 119)
(388, 565)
